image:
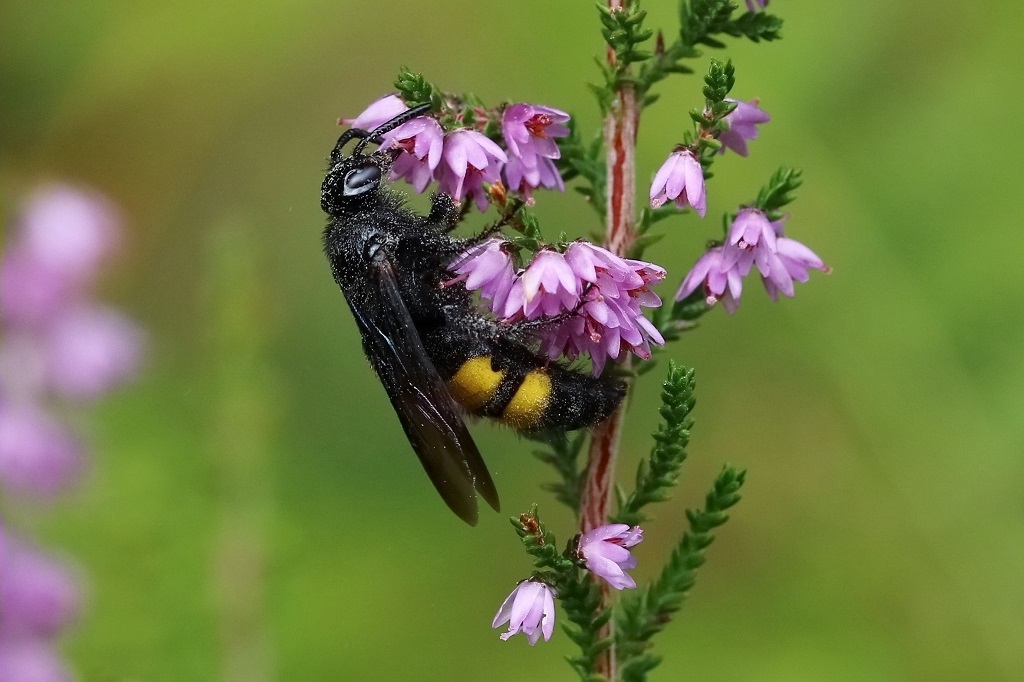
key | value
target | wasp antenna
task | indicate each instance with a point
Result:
(388, 126)
(350, 134)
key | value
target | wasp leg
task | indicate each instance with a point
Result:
(488, 232)
(445, 212)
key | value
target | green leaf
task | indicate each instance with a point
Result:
(413, 88)
(779, 191)
(540, 543)
(656, 476)
(649, 610)
(563, 454)
(580, 595)
(700, 19)
(756, 26)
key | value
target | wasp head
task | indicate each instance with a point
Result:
(352, 181)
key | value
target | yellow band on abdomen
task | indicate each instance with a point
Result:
(475, 383)
(527, 405)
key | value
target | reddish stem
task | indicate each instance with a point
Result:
(620, 126)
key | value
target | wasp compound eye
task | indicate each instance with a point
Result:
(361, 180)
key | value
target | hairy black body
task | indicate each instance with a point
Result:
(425, 338)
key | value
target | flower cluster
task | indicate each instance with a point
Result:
(752, 240)
(463, 159)
(59, 347)
(592, 297)
(604, 551)
(59, 344)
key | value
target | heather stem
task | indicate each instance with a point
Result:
(620, 127)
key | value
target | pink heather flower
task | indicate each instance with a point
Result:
(604, 293)
(487, 267)
(609, 321)
(681, 179)
(92, 349)
(792, 262)
(752, 240)
(743, 122)
(748, 229)
(31, 660)
(380, 111)
(750, 233)
(37, 455)
(605, 550)
(422, 141)
(548, 287)
(530, 609)
(721, 282)
(529, 131)
(756, 5)
(38, 594)
(524, 179)
(469, 159)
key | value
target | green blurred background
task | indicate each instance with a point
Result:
(254, 512)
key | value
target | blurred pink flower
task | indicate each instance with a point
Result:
(68, 231)
(38, 594)
(31, 660)
(37, 455)
(91, 350)
(59, 241)
(743, 122)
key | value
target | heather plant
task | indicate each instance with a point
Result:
(60, 351)
(587, 300)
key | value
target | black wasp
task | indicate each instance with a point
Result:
(435, 352)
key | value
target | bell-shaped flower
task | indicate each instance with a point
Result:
(530, 609)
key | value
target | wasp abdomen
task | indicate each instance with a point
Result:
(509, 386)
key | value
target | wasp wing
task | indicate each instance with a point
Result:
(419, 395)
